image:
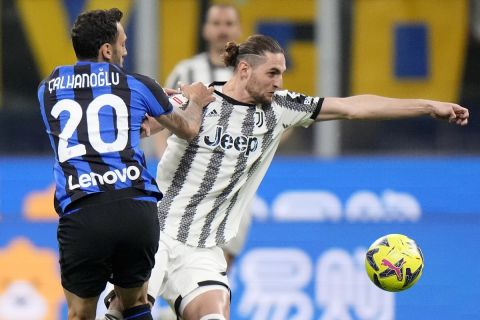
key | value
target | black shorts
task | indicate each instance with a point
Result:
(107, 239)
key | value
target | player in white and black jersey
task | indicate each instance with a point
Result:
(222, 24)
(209, 182)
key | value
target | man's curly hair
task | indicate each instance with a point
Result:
(92, 29)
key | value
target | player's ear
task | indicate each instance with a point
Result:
(244, 69)
(105, 52)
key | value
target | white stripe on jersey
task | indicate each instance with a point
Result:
(209, 183)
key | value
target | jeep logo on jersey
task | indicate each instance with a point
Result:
(110, 177)
(227, 141)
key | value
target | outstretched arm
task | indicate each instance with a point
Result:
(372, 107)
(186, 123)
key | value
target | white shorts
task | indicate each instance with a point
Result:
(180, 269)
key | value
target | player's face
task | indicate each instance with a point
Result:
(266, 78)
(119, 47)
(222, 25)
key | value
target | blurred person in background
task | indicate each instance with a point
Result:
(222, 24)
(210, 181)
(106, 199)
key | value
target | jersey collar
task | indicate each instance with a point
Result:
(228, 98)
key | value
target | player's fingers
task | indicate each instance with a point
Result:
(462, 116)
(182, 87)
(170, 91)
(452, 117)
(463, 113)
(146, 129)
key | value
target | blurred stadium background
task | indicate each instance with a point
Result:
(334, 188)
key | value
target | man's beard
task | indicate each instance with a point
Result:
(116, 59)
(257, 97)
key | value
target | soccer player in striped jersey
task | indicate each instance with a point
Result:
(211, 180)
(105, 197)
(222, 24)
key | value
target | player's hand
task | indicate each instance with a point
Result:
(452, 112)
(198, 93)
(145, 128)
(149, 126)
(170, 92)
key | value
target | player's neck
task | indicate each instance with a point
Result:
(236, 90)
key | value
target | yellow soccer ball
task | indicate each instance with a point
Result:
(394, 262)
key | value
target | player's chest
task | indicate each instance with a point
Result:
(234, 131)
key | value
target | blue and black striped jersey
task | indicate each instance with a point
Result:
(93, 114)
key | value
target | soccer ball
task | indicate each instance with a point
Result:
(394, 262)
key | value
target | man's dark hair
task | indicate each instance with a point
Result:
(251, 50)
(92, 29)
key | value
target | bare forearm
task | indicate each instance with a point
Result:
(371, 107)
(192, 118)
(184, 124)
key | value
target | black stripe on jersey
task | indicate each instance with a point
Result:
(209, 177)
(317, 109)
(271, 122)
(190, 75)
(248, 126)
(211, 68)
(84, 97)
(220, 236)
(174, 84)
(127, 155)
(156, 90)
(178, 180)
(296, 102)
(49, 100)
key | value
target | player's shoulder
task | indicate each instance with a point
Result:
(142, 77)
(147, 81)
(147, 87)
(114, 68)
(285, 97)
(54, 74)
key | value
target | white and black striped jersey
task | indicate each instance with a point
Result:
(197, 68)
(208, 183)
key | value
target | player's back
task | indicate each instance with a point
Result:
(93, 114)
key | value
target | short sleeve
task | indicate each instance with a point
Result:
(297, 109)
(156, 101)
